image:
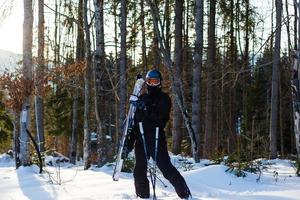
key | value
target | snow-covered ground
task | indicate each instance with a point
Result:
(278, 182)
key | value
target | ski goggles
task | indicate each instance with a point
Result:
(152, 81)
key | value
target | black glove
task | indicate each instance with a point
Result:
(128, 143)
(125, 152)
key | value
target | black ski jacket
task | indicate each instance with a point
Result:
(155, 112)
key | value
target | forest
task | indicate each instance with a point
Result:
(233, 82)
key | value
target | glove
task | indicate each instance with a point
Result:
(135, 101)
(125, 152)
(128, 143)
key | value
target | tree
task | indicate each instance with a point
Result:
(87, 77)
(123, 62)
(79, 58)
(176, 129)
(39, 79)
(295, 24)
(144, 51)
(99, 68)
(197, 70)
(27, 73)
(275, 80)
(211, 61)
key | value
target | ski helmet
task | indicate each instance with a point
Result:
(153, 81)
(153, 78)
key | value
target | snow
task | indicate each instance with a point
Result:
(66, 182)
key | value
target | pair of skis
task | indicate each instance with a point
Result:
(128, 124)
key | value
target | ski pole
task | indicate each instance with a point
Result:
(155, 156)
(146, 156)
(161, 181)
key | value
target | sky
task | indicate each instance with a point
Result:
(11, 27)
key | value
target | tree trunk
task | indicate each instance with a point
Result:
(167, 23)
(16, 133)
(87, 77)
(176, 129)
(74, 137)
(79, 58)
(211, 57)
(281, 120)
(295, 95)
(39, 81)
(295, 25)
(117, 100)
(27, 73)
(186, 67)
(272, 28)
(288, 27)
(246, 53)
(123, 63)
(99, 67)
(156, 60)
(196, 104)
(144, 50)
(274, 98)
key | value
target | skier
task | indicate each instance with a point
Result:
(153, 109)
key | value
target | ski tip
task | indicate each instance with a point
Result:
(139, 76)
(115, 177)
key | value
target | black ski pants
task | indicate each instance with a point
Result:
(163, 163)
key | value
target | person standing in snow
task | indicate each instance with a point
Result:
(153, 110)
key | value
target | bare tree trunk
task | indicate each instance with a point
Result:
(176, 129)
(27, 72)
(87, 77)
(272, 28)
(74, 137)
(57, 34)
(16, 133)
(117, 100)
(196, 104)
(79, 58)
(295, 91)
(274, 98)
(246, 56)
(144, 50)
(39, 81)
(123, 62)
(281, 116)
(232, 33)
(167, 24)
(156, 61)
(186, 65)
(295, 24)
(211, 57)
(288, 27)
(99, 67)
